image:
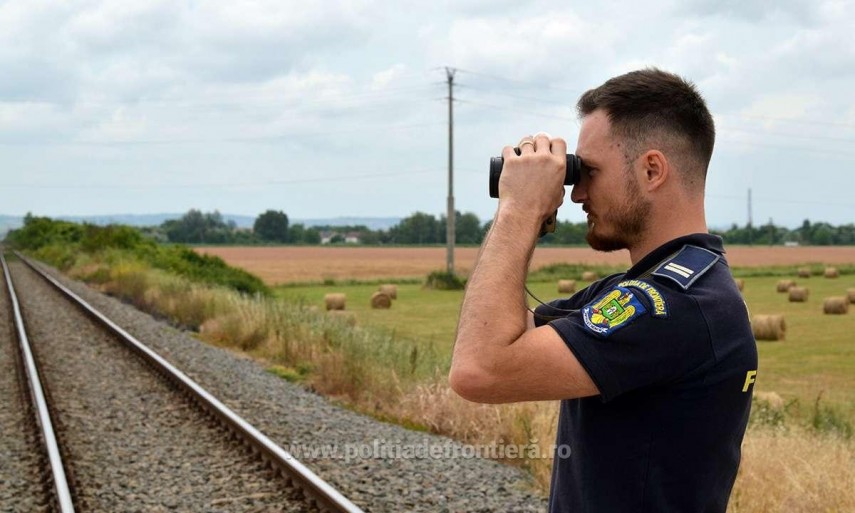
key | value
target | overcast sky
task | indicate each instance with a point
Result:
(323, 108)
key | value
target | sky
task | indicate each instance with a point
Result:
(339, 108)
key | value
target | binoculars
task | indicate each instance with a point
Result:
(571, 176)
(574, 169)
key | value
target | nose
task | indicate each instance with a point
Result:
(579, 192)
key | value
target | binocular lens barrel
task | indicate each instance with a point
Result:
(574, 170)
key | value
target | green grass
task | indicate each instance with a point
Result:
(817, 357)
(818, 354)
(422, 316)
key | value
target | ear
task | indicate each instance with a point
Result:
(657, 169)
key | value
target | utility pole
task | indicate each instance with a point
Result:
(450, 217)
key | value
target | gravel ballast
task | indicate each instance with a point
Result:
(134, 442)
(21, 485)
(307, 425)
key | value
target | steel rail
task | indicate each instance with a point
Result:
(37, 395)
(326, 497)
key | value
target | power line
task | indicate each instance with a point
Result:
(794, 136)
(520, 82)
(784, 201)
(549, 101)
(149, 185)
(787, 148)
(790, 120)
(260, 138)
(519, 111)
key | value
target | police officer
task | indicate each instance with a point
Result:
(655, 366)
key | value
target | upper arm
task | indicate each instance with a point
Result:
(537, 366)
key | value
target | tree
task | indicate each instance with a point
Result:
(198, 227)
(271, 226)
(311, 236)
(467, 229)
(419, 228)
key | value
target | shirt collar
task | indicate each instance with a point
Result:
(702, 240)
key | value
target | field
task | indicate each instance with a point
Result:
(279, 265)
(798, 456)
(817, 356)
(817, 359)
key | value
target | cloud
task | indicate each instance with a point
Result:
(550, 45)
(753, 11)
(135, 47)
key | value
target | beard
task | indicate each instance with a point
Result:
(628, 222)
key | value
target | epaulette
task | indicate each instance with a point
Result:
(689, 264)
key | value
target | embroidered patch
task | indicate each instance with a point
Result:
(689, 264)
(612, 311)
(660, 307)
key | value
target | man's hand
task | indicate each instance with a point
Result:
(498, 355)
(532, 183)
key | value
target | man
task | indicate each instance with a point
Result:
(654, 366)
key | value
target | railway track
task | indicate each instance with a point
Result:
(126, 438)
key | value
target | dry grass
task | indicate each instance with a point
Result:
(788, 470)
(794, 472)
(442, 411)
(277, 265)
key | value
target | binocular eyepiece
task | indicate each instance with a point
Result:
(574, 170)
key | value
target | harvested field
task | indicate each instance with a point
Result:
(284, 264)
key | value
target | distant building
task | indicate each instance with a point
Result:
(327, 236)
(334, 237)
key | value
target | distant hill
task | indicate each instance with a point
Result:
(375, 223)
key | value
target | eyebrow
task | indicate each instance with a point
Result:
(587, 161)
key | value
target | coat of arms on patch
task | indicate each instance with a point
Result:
(611, 311)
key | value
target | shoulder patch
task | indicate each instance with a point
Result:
(611, 311)
(660, 307)
(689, 264)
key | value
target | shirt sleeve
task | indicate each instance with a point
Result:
(629, 338)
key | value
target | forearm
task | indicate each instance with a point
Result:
(494, 312)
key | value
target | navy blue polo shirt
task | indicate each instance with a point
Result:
(669, 345)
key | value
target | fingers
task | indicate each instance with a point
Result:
(559, 146)
(542, 142)
(508, 152)
(526, 145)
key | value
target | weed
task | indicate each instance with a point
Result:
(827, 419)
(444, 280)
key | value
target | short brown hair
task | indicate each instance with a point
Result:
(652, 106)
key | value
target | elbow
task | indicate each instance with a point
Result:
(471, 382)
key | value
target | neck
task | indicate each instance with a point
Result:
(668, 225)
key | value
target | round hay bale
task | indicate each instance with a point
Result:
(831, 272)
(784, 285)
(804, 272)
(335, 301)
(390, 290)
(835, 305)
(768, 327)
(798, 294)
(381, 300)
(567, 286)
(740, 283)
(589, 276)
(850, 294)
(775, 401)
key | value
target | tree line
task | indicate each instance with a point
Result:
(273, 227)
